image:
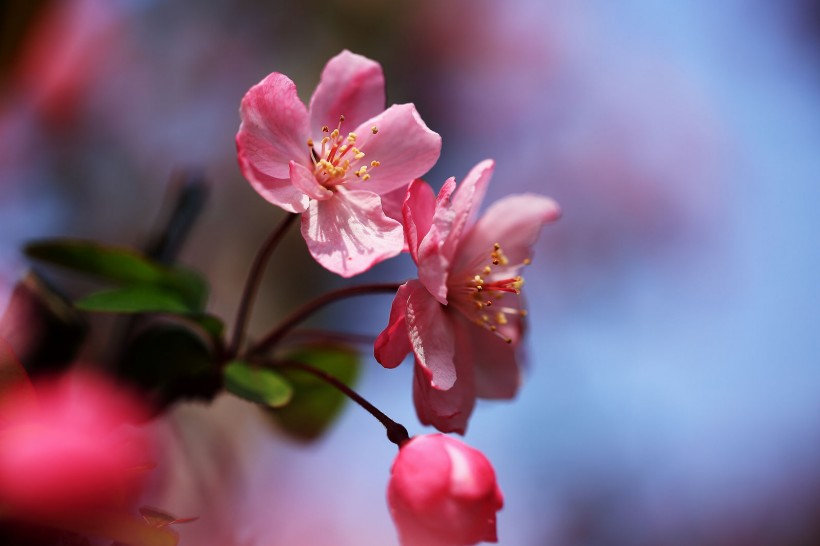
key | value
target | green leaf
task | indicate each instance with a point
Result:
(138, 298)
(116, 264)
(170, 362)
(190, 285)
(256, 384)
(315, 404)
(120, 265)
(212, 324)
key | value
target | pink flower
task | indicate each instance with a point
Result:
(334, 160)
(463, 317)
(65, 451)
(443, 493)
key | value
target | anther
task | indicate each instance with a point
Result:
(325, 129)
(374, 129)
(374, 163)
(310, 142)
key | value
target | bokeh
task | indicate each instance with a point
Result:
(672, 386)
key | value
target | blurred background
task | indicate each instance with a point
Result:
(672, 385)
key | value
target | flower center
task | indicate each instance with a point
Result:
(488, 288)
(336, 155)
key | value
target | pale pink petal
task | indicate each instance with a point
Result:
(417, 212)
(274, 128)
(514, 222)
(497, 374)
(432, 259)
(392, 203)
(304, 180)
(404, 147)
(448, 411)
(351, 85)
(431, 336)
(467, 201)
(393, 343)
(280, 192)
(349, 233)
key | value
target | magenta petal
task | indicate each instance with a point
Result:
(393, 343)
(304, 180)
(417, 212)
(351, 85)
(403, 145)
(514, 222)
(280, 192)
(431, 335)
(349, 233)
(448, 411)
(274, 128)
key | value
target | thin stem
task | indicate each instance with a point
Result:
(253, 280)
(300, 314)
(396, 432)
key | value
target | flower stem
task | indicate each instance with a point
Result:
(253, 280)
(300, 314)
(396, 432)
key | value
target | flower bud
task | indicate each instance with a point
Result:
(443, 493)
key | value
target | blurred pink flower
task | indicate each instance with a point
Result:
(461, 318)
(299, 159)
(66, 450)
(443, 493)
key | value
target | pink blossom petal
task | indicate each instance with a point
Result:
(468, 199)
(448, 411)
(497, 374)
(393, 343)
(392, 203)
(274, 128)
(433, 260)
(280, 192)
(404, 147)
(514, 222)
(431, 335)
(417, 212)
(351, 85)
(304, 180)
(349, 233)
